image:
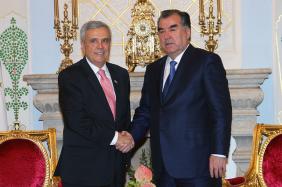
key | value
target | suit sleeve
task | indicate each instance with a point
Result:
(76, 118)
(216, 85)
(128, 115)
(141, 118)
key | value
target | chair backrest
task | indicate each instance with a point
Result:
(270, 154)
(27, 158)
(266, 161)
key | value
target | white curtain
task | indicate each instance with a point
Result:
(277, 69)
(3, 113)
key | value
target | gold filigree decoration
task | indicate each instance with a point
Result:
(66, 32)
(263, 135)
(212, 26)
(143, 45)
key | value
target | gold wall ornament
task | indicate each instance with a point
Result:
(212, 26)
(67, 32)
(143, 46)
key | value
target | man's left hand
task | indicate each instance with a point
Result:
(217, 166)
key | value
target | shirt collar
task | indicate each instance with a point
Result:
(178, 58)
(96, 69)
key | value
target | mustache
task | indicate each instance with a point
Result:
(168, 41)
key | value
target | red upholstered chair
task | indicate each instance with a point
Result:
(27, 158)
(266, 163)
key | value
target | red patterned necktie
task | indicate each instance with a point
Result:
(108, 90)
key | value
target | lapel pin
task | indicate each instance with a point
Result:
(115, 81)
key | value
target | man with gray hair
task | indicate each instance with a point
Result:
(94, 101)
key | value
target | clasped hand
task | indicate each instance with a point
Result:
(125, 142)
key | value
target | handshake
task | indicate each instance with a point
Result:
(125, 142)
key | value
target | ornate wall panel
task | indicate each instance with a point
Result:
(14, 64)
(118, 15)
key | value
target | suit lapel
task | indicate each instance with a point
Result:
(181, 72)
(92, 78)
(162, 68)
(95, 84)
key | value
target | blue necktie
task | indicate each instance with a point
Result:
(169, 78)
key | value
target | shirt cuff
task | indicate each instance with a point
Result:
(114, 140)
(222, 156)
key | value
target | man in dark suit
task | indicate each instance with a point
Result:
(94, 100)
(186, 105)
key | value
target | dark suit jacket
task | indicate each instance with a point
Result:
(192, 121)
(87, 157)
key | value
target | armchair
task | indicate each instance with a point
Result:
(27, 158)
(265, 168)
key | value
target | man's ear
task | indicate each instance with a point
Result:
(82, 48)
(188, 30)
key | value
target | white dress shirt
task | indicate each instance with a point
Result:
(167, 65)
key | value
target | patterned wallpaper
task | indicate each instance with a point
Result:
(118, 15)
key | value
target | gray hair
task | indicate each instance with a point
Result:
(93, 25)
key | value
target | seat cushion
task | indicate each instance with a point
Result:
(22, 163)
(236, 181)
(272, 163)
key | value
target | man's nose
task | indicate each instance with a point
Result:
(166, 35)
(100, 44)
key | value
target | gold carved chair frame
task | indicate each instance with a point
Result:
(263, 135)
(39, 138)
